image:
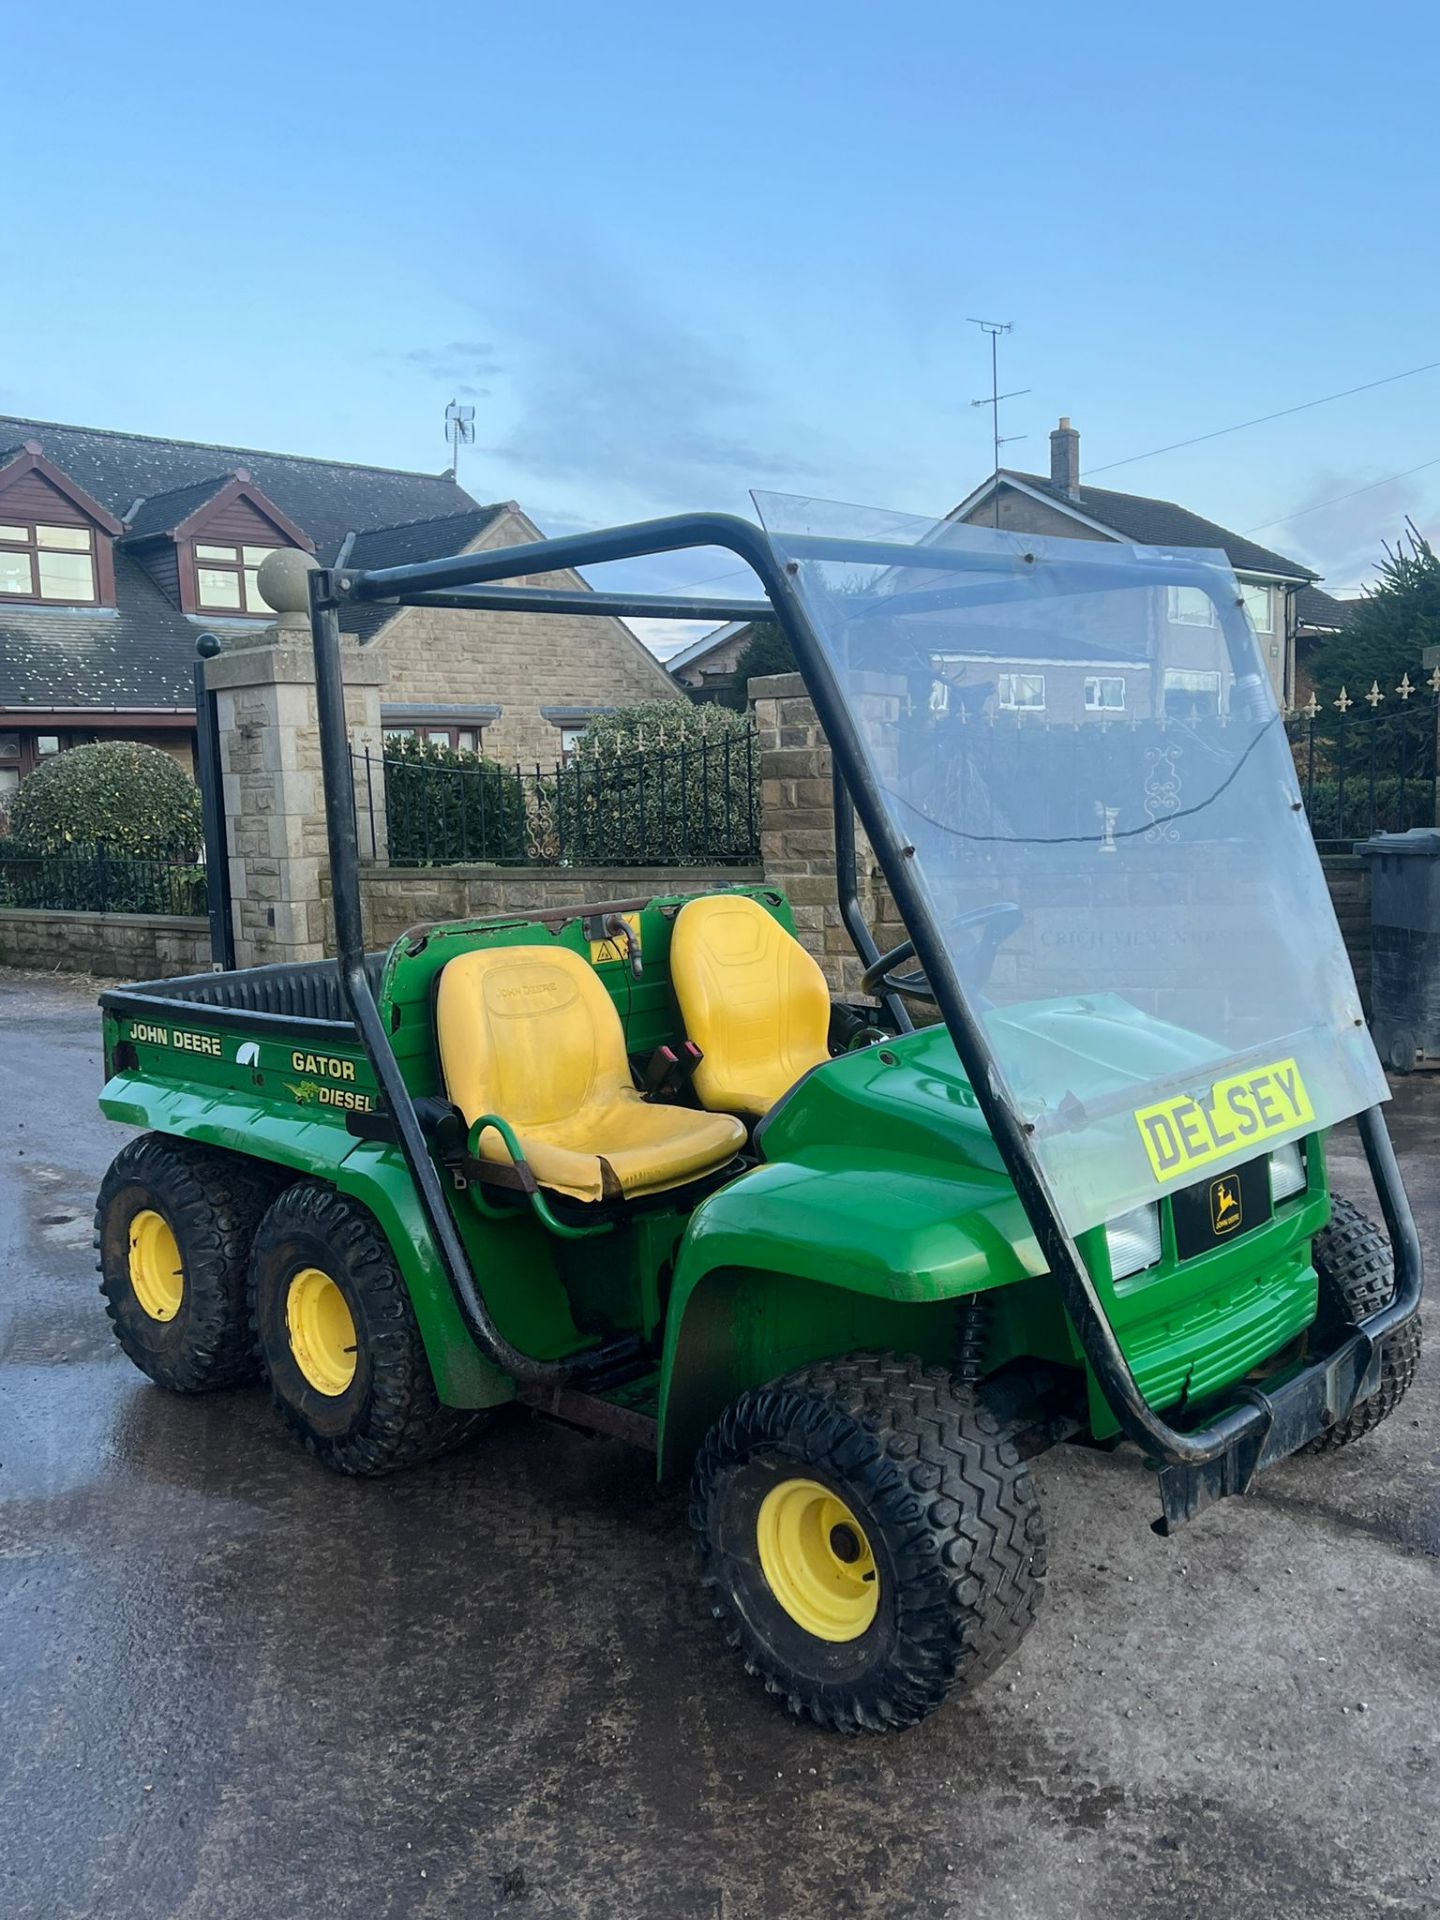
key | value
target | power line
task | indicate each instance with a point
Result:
(1261, 419)
(1286, 518)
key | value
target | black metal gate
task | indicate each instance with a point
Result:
(218, 905)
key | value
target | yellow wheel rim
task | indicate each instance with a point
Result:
(157, 1274)
(321, 1330)
(814, 1554)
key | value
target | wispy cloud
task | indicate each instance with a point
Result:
(460, 365)
(1345, 538)
(666, 638)
(617, 396)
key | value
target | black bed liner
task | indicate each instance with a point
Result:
(296, 996)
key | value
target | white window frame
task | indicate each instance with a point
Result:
(1094, 682)
(1202, 607)
(1006, 691)
(1254, 587)
(570, 738)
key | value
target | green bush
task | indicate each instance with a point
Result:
(444, 807)
(1395, 806)
(660, 784)
(766, 651)
(129, 799)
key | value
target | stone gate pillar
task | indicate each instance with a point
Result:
(797, 829)
(273, 795)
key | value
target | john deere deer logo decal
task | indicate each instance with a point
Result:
(1224, 1206)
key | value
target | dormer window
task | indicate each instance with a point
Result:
(56, 564)
(226, 578)
(57, 544)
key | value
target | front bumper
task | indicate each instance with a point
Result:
(1300, 1410)
(1222, 1458)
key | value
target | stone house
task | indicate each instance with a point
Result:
(1069, 688)
(117, 550)
(708, 666)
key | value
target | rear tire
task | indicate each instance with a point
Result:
(339, 1340)
(1357, 1276)
(870, 1539)
(173, 1226)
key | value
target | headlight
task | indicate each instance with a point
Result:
(1133, 1240)
(1287, 1172)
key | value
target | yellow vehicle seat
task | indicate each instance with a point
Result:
(752, 999)
(530, 1034)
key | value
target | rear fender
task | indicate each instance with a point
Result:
(374, 1175)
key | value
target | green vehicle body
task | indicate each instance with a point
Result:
(878, 1207)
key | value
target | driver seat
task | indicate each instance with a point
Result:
(531, 1035)
(752, 999)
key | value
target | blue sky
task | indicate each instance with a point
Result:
(671, 252)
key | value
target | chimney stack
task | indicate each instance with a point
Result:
(1065, 458)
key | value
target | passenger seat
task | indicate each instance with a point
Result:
(752, 1000)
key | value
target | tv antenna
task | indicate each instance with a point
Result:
(992, 400)
(460, 432)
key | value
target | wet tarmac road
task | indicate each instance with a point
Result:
(233, 1685)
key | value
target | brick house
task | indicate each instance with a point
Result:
(117, 550)
(1060, 504)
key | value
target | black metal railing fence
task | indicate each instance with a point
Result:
(1368, 764)
(97, 879)
(692, 804)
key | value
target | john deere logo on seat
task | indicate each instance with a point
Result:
(1225, 1213)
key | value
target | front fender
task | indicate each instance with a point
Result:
(800, 1260)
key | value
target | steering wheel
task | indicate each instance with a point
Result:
(997, 921)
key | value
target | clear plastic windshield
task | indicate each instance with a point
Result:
(1080, 741)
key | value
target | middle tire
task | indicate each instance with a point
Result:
(870, 1537)
(339, 1340)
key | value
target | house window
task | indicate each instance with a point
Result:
(1022, 692)
(226, 578)
(461, 739)
(48, 563)
(1105, 693)
(1191, 695)
(1257, 605)
(1190, 607)
(9, 763)
(570, 738)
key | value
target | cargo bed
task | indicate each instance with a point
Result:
(300, 998)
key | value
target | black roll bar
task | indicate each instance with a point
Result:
(848, 890)
(1239, 1433)
(350, 947)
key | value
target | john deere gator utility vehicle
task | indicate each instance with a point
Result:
(1060, 1173)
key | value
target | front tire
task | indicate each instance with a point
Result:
(869, 1537)
(1356, 1268)
(339, 1340)
(173, 1226)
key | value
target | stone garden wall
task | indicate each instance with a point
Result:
(115, 946)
